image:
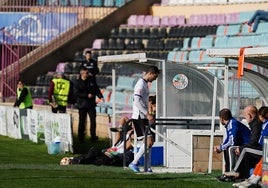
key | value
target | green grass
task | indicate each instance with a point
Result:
(25, 164)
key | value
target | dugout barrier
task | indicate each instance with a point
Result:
(36, 125)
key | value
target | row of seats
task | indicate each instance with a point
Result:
(156, 54)
(136, 44)
(194, 48)
(155, 21)
(181, 20)
(93, 3)
(162, 32)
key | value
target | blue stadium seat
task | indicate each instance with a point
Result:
(221, 42)
(108, 3)
(63, 2)
(119, 3)
(233, 29)
(41, 2)
(262, 27)
(74, 2)
(97, 3)
(86, 3)
(244, 16)
(124, 83)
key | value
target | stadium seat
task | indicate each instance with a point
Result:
(97, 3)
(41, 2)
(177, 56)
(86, 3)
(186, 43)
(132, 20)
(74, 2)
(215, 19)
(119, 3)
(60, 67)
(148, 21)
(164, 21)
(262, 27)
(221, 42)
(140, 20)
(234, 42)
(244, 16)
(68, 68)
(181, 20)
(63, 2)
(231, 17)
(245, 29)
(233, 29)
(155, 21)
(97, 44)
(108, 3)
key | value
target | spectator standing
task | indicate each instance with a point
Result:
(86, 90)
(60, 93)
(237, 134)
(24, 99)
(140, 115)
(90, 64)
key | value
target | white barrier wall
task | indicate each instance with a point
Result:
(36, 125)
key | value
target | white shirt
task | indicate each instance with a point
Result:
(141, 98)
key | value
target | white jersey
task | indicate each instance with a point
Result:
(141, 98)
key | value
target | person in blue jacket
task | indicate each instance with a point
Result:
(237, 134)
(250, 156)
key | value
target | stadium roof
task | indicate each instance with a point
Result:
(256, 55)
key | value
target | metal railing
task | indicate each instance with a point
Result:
(30, 38)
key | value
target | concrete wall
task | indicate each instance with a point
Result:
(205, 9)
(201, 154)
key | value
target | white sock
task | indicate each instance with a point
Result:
(149, 159)
(138, 155)
(255, 180)
(251, 177)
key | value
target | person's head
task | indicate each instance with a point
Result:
(84, 73)
(263, 113)
(225, 116)
(152, 103)
(20, 84)
(151, 74)
(88, 55)
(59, 75)
(250, 112)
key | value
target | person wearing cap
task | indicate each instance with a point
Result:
(90, 64)
(60, 93)
(85, 91)
(24, 99)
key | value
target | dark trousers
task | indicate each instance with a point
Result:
(227, 159)
(248, 158)
(82, 122)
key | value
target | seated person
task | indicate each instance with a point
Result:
(237, 134)
(250, 156)
(112, 156)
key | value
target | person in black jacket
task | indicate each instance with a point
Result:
(90, 64)
(24, 99)
(251, 115)
(86, 90)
